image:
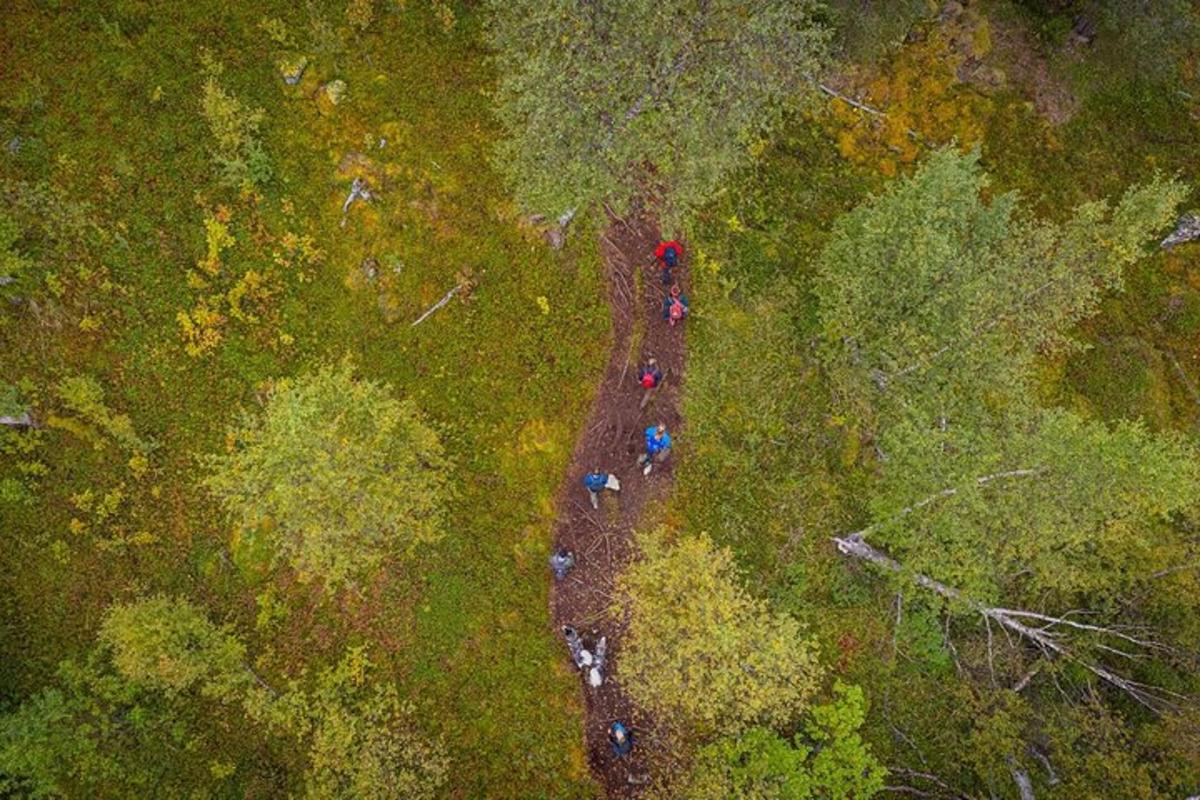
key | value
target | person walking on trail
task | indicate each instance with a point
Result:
(675, 306)
(596, 482)
(658, 447)
(580, 656)
(596, 674)
(621, 739)
(668, 255)
(561, 562)
(650, 376)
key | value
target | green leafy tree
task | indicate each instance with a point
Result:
(96, 734)
(827, 760)
(603, 100)
(700, 650)
(168, 644)
(1049, 505)
(933, 299)
(336, 474)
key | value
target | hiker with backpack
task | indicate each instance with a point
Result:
(596, 482)
(658, 447)
(650, 376)
(621, 739)
(668, 255)
(675, 306)
(580, 656)
(561, 562)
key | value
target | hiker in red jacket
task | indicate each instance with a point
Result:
(668, 255)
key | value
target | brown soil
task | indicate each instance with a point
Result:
(612, 439)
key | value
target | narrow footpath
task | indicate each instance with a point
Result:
(611, 440)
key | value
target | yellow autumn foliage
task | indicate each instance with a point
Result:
(924, 106)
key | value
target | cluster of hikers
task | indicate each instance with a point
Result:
(590, 659)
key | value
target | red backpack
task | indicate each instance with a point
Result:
(676, 312)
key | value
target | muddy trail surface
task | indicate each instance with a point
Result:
(602, 540)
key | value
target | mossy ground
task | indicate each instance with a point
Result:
(105, 100)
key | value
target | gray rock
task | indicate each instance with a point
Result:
(370, 268)
(293, 71)
(1186, 230)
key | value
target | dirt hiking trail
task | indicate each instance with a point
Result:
(611, 440)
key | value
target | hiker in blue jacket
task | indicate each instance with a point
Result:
(596, 482)
(658, 447)
(621, 739)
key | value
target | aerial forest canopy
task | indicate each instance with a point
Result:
(691, 400)
(1003, 507)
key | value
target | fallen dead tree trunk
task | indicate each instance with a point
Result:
(22, 420)
(1045, 637)
(1186, 230)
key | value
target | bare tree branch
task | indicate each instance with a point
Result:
(983, 480)
(1022, 779)
(1108, 631)
(946, 790)
(850, 101)
(437, 305)
(1028, 676)
(1052, 776)
(1046, 640)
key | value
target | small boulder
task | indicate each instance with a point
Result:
(292, 69)
(335, 91)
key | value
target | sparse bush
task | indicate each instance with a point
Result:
(241, 161)
(84, 395)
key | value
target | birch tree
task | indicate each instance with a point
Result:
(119, 723)
(1048, 505)
(1049, 543)
(700, 650)
(605, 100)
(95, 734)
(934, 299)
(336, 473)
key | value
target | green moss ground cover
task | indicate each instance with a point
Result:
(105, 101)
